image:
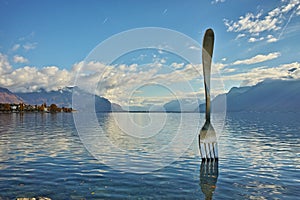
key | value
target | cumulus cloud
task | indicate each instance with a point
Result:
(118, 83)
(28, 79)
(257, 59)
(177, 65)
(253, 39)
(271, 38)
(20, 59)
(115, 82)
(218, 66)
(256, 75)
(255, 24)
(5, 68)
(121, 83)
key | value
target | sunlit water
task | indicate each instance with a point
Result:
(42, 155)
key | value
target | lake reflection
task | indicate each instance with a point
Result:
(42, 155)
(209, 172)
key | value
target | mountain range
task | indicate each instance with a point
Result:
(62, 98)
(7, 96)
(266, 96)
(182, 105)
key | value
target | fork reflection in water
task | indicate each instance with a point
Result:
(209, 173)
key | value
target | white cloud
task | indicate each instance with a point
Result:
(20, 59)
(118, 82)
(257, 59)
(160, 51)
(218, 66)
(29, 46)
(217, 1)
(177, 65)
(194, 48)
(290, 6)
(241, 35)
(298, 10)
(271, 39)
(221, 68)
(5, 67)
(256, 75)
(255, 24)
(31, 78)
(16, 47)
(115, 82)
(162, 61)
(253, 39)
(228, 70)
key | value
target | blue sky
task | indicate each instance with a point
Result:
(42, 43)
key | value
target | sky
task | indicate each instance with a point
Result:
(47, 44)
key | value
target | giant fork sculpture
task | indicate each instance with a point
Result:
(207, 137)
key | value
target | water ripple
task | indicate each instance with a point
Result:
(42, 155)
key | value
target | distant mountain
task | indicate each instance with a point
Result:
(267, 96)
(7, 96)
(137, 108)
(182, 105)
(152, 108)
(63, 98)
(116, 107)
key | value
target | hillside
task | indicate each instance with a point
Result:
(7, 96)
(182, 105)
(267, 96)
(63, 98)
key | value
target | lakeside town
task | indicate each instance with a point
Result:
(22, 107)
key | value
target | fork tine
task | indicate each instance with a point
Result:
(202, 151)
(212, 154)
(207, 150)
(216, 150)
(213, 151)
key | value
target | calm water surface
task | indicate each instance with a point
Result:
(42, 155)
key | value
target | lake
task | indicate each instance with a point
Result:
(43, 154)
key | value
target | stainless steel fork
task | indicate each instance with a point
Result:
(207, 137)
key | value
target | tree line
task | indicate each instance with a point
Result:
(21, 107)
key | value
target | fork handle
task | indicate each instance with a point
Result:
(207, 52)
